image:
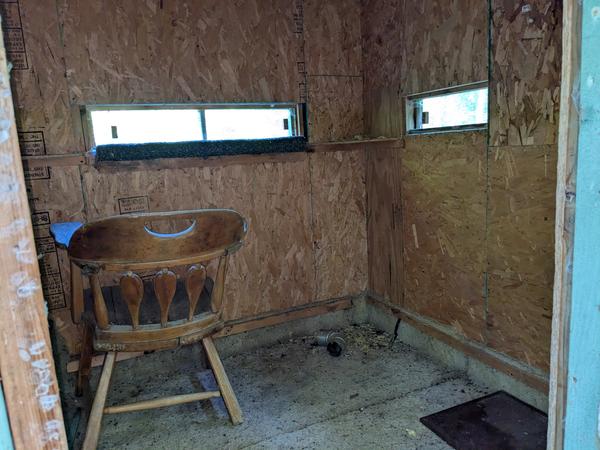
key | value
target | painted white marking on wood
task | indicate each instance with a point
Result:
(25, 284)
(13, 228)
(23, 252)
(9, 188)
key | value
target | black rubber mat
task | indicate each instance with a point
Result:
(497, 421)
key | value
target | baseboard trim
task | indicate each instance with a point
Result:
(248, 324)
(529, 376)
(278, 317)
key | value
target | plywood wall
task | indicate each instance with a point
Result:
(443, 206)
(522, 186)
(69, 53)
(444, 44)
(525, 56)
(477, 211)
(383, 31)
(459, 227)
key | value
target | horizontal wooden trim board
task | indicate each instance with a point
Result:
(79, 159)
(319, 147)
(493, 359)
(241, 326)
(75, 159)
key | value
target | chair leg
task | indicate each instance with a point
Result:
(233, 407)
(95, 420)
(85, 358)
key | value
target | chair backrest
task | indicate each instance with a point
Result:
(129, 243)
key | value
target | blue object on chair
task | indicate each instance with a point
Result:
(63, 231)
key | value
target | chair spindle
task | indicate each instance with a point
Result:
(194, 283)
(100, 310)
(165, 284)
(217, 294)
(132, 291)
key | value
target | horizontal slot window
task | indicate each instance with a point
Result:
(135, 126)
(141, 124)
(249, 123)
(457, 108)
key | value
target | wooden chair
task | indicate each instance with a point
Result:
(125, 244)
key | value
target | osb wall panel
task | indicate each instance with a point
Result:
(526, 56)
(332, 32)
(43, 112)
(275, 269)
(280, 266)
(520, 319)
(339, 223)
(382, 33)
(68, 53)
(384, 224)
(333, 114)
(522, 185)
(445, 44)
(181, 51)
(47, 208)
(443, 207)
(333, 61)
(411, 46)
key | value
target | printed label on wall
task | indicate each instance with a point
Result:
(133, 204)
(14, 40)
(52, 283)
(36, 173)
(11, 16)
(32, 143)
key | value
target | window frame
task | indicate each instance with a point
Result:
(410, 110)
(299, 125)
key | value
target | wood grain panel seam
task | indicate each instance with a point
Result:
(313, 226)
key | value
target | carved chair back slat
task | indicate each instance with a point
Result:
(194, 284)
(165, 284)
(125, 244)
(132, 291)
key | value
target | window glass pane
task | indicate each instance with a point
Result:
(146, 125)
(248, 123)
(468, 107)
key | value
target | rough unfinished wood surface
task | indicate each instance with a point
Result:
(276, 269)
(75, 53)
(384, 224)
(519, 319)
(566, 175)
(382, 29)
(521, 213)
(412, 46)
(142, 52)
(445, 44)
(26, 361)
(47, 121)
(443, 206)
(334, 115)
(332, 37)
(339, 222)
(525, 85)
